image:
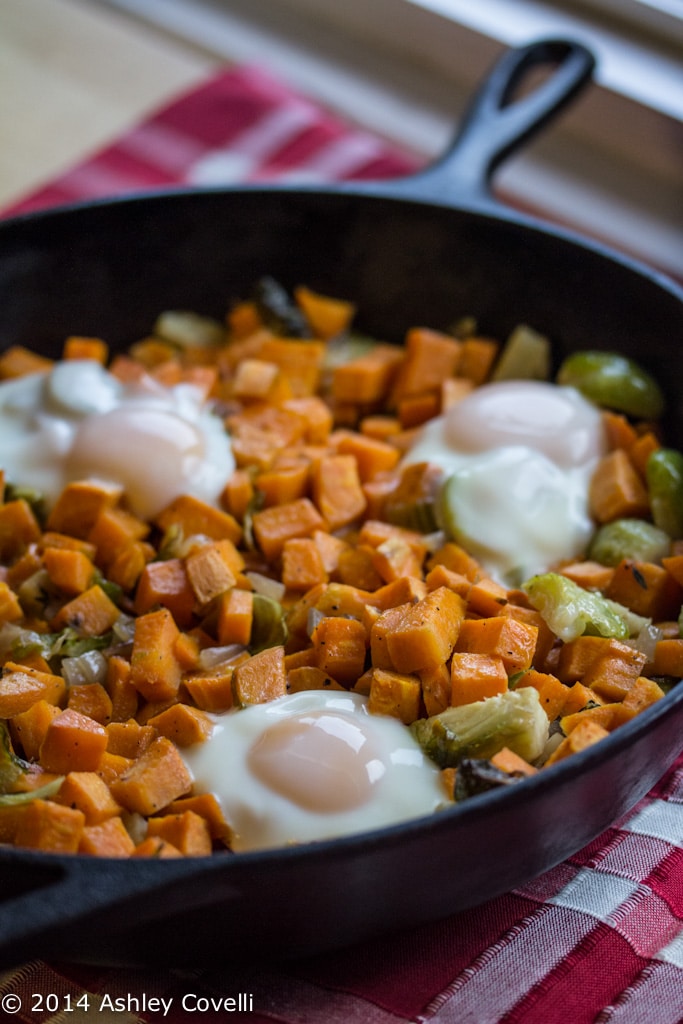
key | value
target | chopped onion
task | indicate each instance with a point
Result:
(646, 640)
(266, 586)
(212, 657)
(313, 619)
(90, 667)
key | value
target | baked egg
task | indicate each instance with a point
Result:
(518, 457)
(78, 421)
(312, 765)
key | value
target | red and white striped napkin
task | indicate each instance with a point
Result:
(597, 940)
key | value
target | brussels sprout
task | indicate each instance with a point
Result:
(278, 310)
(476, 775)
(525, 356)
(570, 610)
(514, 719)
(269, 628)
(11, 767)
(614, 381)
(664, 474)
(45, 792)
(628, 538)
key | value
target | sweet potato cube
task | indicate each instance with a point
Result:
(668, 659)
(395, 694)
(155, 846)
(20, 687)
(45, 825)
(337, 490)
(10, 609)
(475, 677)
(326, 315)
(579, 697)
(91, 613)
(113, 766)
(381, 629)
(508, 761)
(302, 564)
(211, 692)
(643, 693)
(647, 589)
(431, 357)
(274, 526)
(89, 793)
(124, 696)
(584, 735)
(106, 839)
(28, 728)
(71, 571)
(616, 489)
(310, 677)
(129, 739)
(426, 633)
(183, 724)
(207, 807)
(78, 506)
(155, 670)
(340, 648)
(576, 656)
(187, 831)
(436, 689)
(372, 455)
(394, 559)
(613, 674)
(166, 583)
(18, 528)
(212, 569)
(552, 693)
(368, 378)
(261, 678)
(73, 742)
(196, 517)
(501, 636)
(91, 699)
(234, 618)
(606, 716)
(156, 778)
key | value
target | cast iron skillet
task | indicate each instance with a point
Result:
(424, 250)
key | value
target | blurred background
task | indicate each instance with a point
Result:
(77, 73)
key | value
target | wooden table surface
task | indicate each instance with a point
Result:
(72, 78)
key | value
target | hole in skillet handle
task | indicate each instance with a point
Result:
(501, 116)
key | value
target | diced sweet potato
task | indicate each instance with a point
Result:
(21, 687)
(156, 778)
(394, 694)
(476, 676)
(73, 742)
(502, 637)
(155, 670)
(187, 831)
(426, 633)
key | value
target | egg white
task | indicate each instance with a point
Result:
(78, 421)
(373, 774)
(521, 455)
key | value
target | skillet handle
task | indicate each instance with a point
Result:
(47, 904)
(495, 124)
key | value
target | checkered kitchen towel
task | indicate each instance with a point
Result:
(598, 939)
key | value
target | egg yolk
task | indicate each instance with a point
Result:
(321, 761)
(147, 451)
(557, 422)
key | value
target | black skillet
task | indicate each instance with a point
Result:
(422, 250)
